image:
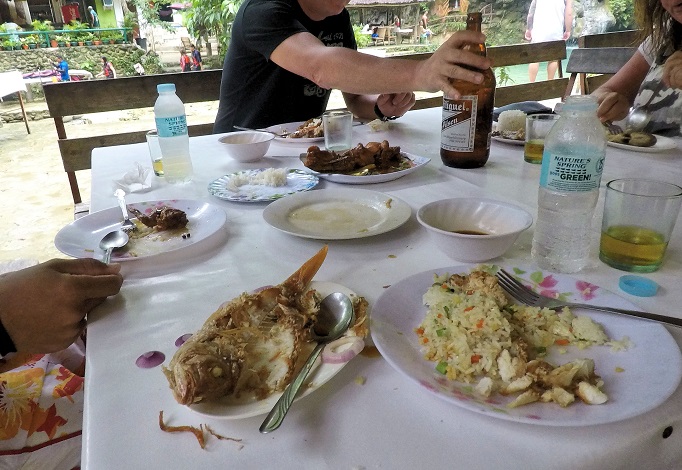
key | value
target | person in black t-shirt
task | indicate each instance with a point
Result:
(285, 56)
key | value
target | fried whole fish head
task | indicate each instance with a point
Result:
(221, 358)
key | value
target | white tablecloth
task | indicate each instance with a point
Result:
(388, 422)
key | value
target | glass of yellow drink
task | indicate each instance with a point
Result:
(537, 128)
(639, 217)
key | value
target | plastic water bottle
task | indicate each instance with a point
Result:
(572, 164)
(171, 125)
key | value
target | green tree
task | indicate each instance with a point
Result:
(212, 18)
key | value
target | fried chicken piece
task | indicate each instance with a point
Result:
(380, 154)
(164, 218)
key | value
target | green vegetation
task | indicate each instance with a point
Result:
(362, 40)
(212, 18)
(624, 13)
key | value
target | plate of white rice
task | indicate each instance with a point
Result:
(636, 380)
(262, 185)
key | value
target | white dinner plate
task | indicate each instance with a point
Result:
(504, 140)
(291, 127)
(81, 237)
(644, 383)
(337, 214)
(662, 144)
(297, 181)
(248, 406)
(417, 163)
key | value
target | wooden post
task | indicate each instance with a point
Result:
(23, 111)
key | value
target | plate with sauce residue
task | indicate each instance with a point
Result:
(337, 214)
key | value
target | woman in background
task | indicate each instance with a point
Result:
(654, 72)
(108, 70)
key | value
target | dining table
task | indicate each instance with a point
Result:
(370, 414)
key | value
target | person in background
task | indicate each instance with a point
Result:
(548, 20)
(42, 319)
(92, 16)
(424, 23)
(654, 71)
(396, 22)
(108, 70)
(294, 52)
(196, 58)
(185, 61)
(62, 66)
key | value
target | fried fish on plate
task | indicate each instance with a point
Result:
(250, 344)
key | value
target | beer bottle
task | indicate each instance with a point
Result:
(467, 122)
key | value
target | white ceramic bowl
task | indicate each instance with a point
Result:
(247, 146)
(500, 224)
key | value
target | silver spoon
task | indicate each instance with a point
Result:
(278, 134)
(112, 241)
(333, 319)
(638, 117)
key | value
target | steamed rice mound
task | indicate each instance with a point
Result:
(470, 322)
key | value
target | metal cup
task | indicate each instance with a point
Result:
(639, 217)
(537, 128)
(338, 130)
(155, 151)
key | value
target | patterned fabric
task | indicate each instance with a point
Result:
(666, 106)
(41, 409)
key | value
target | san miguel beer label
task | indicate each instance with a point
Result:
(458, 127)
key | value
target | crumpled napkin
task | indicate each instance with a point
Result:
(378, 125)
(137, 180)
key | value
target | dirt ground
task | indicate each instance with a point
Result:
(34, 190)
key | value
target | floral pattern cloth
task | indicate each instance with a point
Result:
(41, 409)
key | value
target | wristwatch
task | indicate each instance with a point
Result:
(381, 116)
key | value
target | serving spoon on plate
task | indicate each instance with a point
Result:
(335, 316)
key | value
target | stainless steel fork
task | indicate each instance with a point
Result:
(523, 294)
(127, 225)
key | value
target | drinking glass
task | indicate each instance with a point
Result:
(537, 128)
(338, 130)
(639, 217)
(155, 152)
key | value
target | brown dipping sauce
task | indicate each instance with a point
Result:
(469, 232)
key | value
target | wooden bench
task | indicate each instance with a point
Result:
(517, 54)
(97, 96)
(604, 61)
(586, 64)
(628, 38)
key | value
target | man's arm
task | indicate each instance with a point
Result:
(531, 15)
(362, 74)
(568, 19)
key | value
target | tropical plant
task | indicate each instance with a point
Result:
(362, 40)
(212, 18)
(624, 13)
(42, 25)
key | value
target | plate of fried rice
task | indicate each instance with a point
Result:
(449, 339)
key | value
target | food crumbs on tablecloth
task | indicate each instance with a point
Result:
(620, 369)
(222, 438)
(388, 203)
(386, 286)
(198, 432)
(88, 250)
(392, 256)
(360, 380)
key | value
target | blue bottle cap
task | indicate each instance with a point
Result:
(170, 87)
(638, 285)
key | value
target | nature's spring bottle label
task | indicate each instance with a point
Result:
(458, 127)
(171, 126)
(570, 173)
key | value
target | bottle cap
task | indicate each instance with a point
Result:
(165, 87)
(638, 286)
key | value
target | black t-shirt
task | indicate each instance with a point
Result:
(256, 92)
